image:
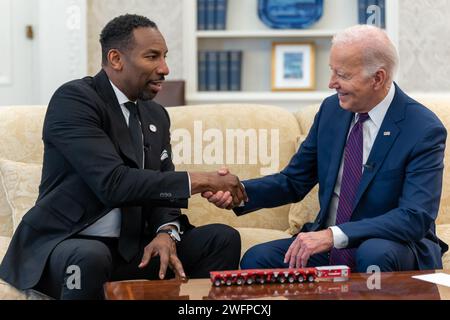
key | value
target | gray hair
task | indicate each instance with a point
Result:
(378, 50)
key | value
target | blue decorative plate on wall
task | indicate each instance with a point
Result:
(290, 14)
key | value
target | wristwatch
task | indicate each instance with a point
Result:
(172, 233)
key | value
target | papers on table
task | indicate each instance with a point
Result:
(442, 279)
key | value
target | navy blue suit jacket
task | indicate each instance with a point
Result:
(399, 194)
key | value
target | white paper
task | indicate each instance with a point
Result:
(442, 279)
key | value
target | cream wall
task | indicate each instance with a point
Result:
(423, 29)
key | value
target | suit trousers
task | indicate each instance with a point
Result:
(96, 259)
(386, 254)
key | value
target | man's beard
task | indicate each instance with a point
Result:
(146, 96)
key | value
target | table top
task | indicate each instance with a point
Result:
(360, 286)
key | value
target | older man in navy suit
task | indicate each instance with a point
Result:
(377, 156)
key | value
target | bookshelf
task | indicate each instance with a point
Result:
(246, 32)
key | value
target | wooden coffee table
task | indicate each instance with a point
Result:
(394, 286)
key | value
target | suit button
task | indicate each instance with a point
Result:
(165, 195)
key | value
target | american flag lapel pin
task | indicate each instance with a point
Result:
(387, 133)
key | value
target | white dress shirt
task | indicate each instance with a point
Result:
(109, 224)
(370, 130)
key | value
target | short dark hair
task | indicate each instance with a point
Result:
(118, 33)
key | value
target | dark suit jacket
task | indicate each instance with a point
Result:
(90, 167)
(399, 194)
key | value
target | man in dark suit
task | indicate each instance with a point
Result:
(377, 156)
(109, 199)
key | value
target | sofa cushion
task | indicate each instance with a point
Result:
(21, 140)
(305, 117)
(21, 183)
(5, 212)
(8, 292)
(197, 129)
(21, 132)
(202, 212)
(253, 236)
(303, 211)
(443, 232)
(441, 107)
(4, 242)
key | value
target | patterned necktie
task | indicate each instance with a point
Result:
(135, 132)
(351, 176)
(130, 229)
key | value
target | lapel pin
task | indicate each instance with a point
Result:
(152, 128)
(387, 133)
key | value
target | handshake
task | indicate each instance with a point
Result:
(220, 188)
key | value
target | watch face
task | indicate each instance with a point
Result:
(174, 234)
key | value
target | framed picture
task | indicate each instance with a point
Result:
(293, 66)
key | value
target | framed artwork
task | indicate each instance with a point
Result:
(293, 66)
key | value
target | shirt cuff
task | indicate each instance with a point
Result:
(190, 186)
(242, 204)
(340, 239)
(174, 223)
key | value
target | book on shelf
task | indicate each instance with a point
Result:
(382, 5)
(219, 70)
(220, 14)
(224, 71)
(212, 80)
(210, 14)
(235, 70)
(362, 8)
(202, 71)
(201, 14)
(372, 15)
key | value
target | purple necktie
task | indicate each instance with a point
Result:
(351, 175)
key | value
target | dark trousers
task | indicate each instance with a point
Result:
(202, 249)
(386, 254)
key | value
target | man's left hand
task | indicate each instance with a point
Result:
(305, 245)
(165, 247)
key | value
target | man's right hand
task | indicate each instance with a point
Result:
(221, 199)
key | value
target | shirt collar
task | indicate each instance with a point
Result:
(377, 114)
(121, 97)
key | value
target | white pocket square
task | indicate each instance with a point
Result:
(164, 155)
